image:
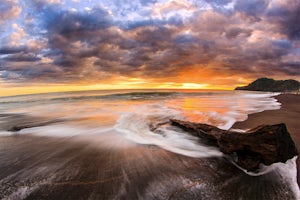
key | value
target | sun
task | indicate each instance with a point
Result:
(194, 86)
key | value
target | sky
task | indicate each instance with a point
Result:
(65, 45)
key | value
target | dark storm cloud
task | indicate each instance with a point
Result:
(253, 7)
(12, 49)
(234, 32)
(145, 2)
(292, 68)
(219, 2)
(173, 21)
(288, 19)
(21, 57)
(75, 25)
(148, 40)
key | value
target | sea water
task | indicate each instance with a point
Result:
(131, 113)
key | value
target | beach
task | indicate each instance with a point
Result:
(149, 99)
(47, 168)
(53, 161)
(289, 113)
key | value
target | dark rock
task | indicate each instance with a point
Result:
(266, 144)
(21, 126)
(271, 85)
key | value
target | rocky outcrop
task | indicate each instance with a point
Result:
(271, 85)
(15, 128)
(265, 144)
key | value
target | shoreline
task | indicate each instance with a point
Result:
(289, 113)
(53, 168)
(110, 167)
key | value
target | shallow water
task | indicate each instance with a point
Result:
(131, 114)
(118, 123)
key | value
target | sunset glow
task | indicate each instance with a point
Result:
(68, 45)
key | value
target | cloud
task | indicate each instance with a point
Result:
(12, 49)
(21, 57)
(75, 23)
(153, 40)
(287, 17)
(252, 8)
(175, 6)
(9, 9)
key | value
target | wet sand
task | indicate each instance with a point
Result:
(288, 114)
(110, 167)
(55, 168)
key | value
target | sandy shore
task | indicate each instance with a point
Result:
(288, 114)
(55, 168)
(110, 167)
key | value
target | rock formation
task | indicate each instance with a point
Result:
(271, 85)
(266, 144)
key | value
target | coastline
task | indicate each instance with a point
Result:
(289, 113)
(111, 167)
(54, 168)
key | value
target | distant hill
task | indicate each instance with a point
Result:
(271, 85)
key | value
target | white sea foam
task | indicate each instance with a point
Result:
(6, 133)
(21, 192)
(260, 95)
(287, 171)
(136, 128)
(132, 117)
(63, 131)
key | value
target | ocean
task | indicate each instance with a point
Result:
(120, 121)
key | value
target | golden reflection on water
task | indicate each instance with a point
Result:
(196, 109)
(107, 112)
(98, 112)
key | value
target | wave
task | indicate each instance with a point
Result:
(116, 96)
(133, 118)
(136, 127)
(129, 117)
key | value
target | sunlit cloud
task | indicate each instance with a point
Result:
(148, 43)
(9, 9)
(173, 8)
